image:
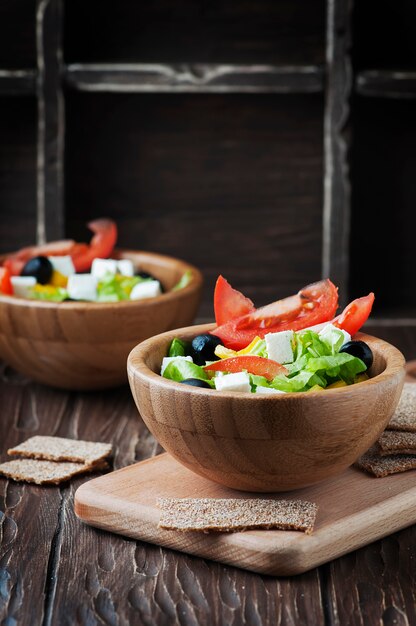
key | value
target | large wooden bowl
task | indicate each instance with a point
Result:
(264, 443)
(84, 345)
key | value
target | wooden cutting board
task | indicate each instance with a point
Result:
(354, 510)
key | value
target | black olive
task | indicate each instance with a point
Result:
(147, 275)
(40, 267)
(359, 349)
(195, 382)
(202, 348)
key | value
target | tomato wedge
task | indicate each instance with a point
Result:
(229, 303)
(313, 304)
(101, 245)
(253, 364)
(6, 286)
(355, 314)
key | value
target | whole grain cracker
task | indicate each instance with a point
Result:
(227, 515)
(396, 442)
(381, 466)
(46, 472)
(404, 418)
(61, 449)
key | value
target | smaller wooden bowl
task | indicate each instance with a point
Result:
(84, 345)
(264, 443)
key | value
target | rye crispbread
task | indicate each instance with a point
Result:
(381, 466)
(46, 472)
(404, 417)
(396, 442)
(228, 515)
(61, 449)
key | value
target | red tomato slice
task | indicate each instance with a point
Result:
(253, 364)
(355, 314)
(16, 261)
(314, 304)
(101, 245)
(229, 303)
(6, 286)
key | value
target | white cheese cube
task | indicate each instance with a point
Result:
(82, 287)
(233, 382)
(22, 285)
(125, 267)
(146, 289)
(169, 359)
(101, 267)
(330, 334)
(266, 391)
(279, 346)
(62, 264)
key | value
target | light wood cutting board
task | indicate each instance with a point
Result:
(354, 510)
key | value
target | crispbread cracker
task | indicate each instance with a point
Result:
(61, 449)
(46, 472)
(227, 515)
(381, 466)
(404, 418)
(396, 442)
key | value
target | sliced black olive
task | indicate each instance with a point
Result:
(202, 348)
(195, 382)
(359, 349)
(40, 267)
(147, 275)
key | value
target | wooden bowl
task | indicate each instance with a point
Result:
(264, 443)
(84, 345)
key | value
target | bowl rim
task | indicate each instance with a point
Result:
(195, 283)
(136, 368)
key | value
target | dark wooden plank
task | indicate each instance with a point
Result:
(17, 172)
(386, 84)
(231, 183)
(17, 34)
(194, 78)
(255, 31)
(383, 218)
(50, 141)
(375, 585)
(402, 334)
(335, 260)
(17, 82)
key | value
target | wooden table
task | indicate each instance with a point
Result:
(56, 571)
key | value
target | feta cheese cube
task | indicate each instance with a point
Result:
(146, 289)
(169, 359)
(62, 264)
(330, 334)
(101, 267)
(266, 391)
(22, 285)
(82, 287)
(233, 382)
(279, 346)
(125, 267)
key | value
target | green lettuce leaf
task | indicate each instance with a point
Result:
(178, 348)
(181, 370)
(183, 281)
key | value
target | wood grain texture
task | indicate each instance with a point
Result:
(264, 443)
(221, 180)
(125, 502)
(193, 78)
(84, 345)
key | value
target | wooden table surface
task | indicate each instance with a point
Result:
(56, 571)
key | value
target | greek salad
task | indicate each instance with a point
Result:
(65, 270)
(292, 345)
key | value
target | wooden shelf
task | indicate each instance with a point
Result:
(200, 78)
(386, 84)
(17, 82)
